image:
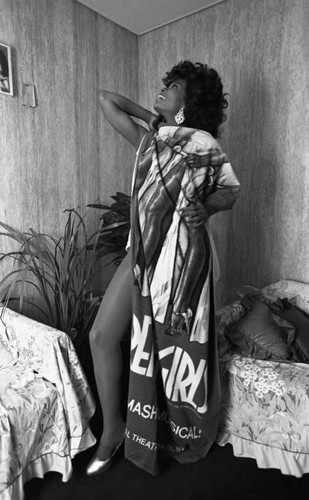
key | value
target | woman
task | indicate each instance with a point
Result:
(181, 178)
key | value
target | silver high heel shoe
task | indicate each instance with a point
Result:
(97, 466)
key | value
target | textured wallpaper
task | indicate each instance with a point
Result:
(261, 50)
(63, 153)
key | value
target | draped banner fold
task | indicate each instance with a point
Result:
(174, 392)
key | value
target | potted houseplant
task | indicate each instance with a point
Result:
(116, 221)
(62, 271)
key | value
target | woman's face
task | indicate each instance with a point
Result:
(170, 100)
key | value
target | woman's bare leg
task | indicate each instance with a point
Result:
(110, 325)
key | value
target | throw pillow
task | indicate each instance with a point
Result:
(300, 320)
(262, 334)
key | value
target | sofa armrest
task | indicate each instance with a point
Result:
(50, 354)
(32, 340)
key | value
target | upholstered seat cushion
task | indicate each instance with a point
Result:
(45, 403)
(265, 403)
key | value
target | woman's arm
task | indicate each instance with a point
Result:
(119, 111)
(197, 212)
(222, 199)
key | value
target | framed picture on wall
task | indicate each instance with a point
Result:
(6, 78)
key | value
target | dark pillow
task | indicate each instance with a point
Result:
(262, 334)
(300, 320)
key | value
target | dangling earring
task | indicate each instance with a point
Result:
(180, 116)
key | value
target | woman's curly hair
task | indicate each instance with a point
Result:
(204, 100)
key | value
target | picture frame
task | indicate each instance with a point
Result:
(6, 72)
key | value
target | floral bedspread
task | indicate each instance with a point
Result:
(265, 404)
(45, 403)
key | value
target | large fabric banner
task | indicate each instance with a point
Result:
(174, 393)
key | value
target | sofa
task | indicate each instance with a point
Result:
(265, 402)
(45, 403)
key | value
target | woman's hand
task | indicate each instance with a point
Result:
(195, 214)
